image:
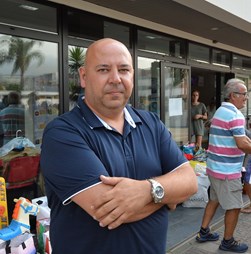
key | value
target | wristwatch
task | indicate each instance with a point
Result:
(157, 191)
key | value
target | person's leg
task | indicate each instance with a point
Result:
(229, 243)
(232, 204)
(198, 141)
(209, 213)
(204, 234)
(247, 209)
(247, 185)
(231, 219)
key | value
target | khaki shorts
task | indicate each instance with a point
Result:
(227, 192)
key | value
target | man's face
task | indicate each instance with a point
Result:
(107, 77)
(240, 98)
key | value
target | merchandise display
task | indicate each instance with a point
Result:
(20, 219)
(197, 159)
(42, 225)
(4, 222)
(16, 237)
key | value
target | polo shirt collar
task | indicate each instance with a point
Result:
(228, 104)
(95, 122)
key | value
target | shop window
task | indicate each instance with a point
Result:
(241, 63)
(198, 53)
(160, 44)
(28, 87)
(90, 26)
(221, 58)
(117, 32)
(27, 14)
(85, 25)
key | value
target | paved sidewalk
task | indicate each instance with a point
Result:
(242, 232)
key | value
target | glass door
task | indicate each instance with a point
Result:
(148, 89)
(176, 86)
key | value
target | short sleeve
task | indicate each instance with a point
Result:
(71, 168)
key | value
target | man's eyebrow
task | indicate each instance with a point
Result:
(125, 65)
(107, 66)
(102, 66)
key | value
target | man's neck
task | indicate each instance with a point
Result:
(114, 118)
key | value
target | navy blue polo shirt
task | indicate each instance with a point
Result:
(77, 148)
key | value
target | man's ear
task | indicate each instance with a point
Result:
(81, 72)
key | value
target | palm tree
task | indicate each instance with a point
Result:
(21, 54)
(76, 60)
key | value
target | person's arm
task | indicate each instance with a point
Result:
(243, 143)
(200, 116)
(204, 113)
(204, 116)
(121, 200)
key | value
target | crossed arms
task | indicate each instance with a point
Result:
(119, 200)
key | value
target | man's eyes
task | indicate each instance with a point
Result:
(123, 70)
(103, 70)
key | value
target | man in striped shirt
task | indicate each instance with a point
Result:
(227, 147)
(11, 118)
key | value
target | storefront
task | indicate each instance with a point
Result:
(43, 43)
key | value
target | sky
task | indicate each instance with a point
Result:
(240, 8)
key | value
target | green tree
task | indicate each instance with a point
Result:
(76, 60)
(20, 52)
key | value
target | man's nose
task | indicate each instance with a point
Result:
(114, 76)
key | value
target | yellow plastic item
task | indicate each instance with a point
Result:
(3, 205)
(193, 163)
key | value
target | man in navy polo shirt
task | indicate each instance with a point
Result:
(111, 171)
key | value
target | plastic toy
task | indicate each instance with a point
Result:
(20, 219)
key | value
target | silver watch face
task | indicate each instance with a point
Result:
(159, 191)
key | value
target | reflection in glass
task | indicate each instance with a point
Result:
(242, 64)
(176, 103)
(220, 58)
(149, 85)
(29, 14)
(161, 44)
(117, 32)
(198, 53)
(76, 60)
(29, 68)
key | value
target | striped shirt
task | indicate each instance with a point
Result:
(225, 159)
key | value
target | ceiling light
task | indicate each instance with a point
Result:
(221, 65)
(214, 28)
(200, 61)
(150, 37)
(28, 7)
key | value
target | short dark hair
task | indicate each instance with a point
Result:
(14, 98)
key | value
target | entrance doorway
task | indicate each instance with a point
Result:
(210, 83)
(163, 88)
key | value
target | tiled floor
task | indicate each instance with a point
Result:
(185, 222)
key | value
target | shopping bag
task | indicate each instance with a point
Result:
(199, 199)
